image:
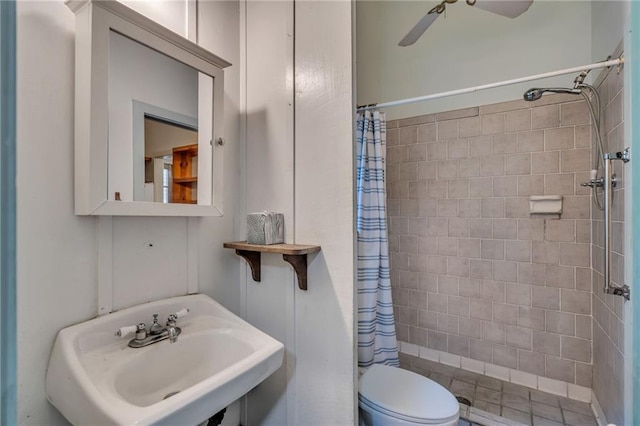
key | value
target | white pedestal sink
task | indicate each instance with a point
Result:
(95, 378)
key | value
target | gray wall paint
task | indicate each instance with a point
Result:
(467, 48)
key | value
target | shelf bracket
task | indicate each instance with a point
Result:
(253, 259)
(299, 263)
(294, 254)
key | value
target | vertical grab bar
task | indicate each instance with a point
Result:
(608, 184)
(608, 199)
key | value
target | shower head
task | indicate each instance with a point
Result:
(536, 93)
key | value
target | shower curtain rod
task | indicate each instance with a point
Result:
(609, 63)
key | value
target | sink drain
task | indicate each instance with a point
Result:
(170, 394)
(461, 400)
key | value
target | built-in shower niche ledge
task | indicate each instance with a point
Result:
(294, 254)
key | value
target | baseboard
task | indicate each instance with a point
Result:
(556, 387)
(597, 410)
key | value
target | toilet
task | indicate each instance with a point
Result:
(390, 396)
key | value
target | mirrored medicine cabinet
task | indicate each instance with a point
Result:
(148, 117)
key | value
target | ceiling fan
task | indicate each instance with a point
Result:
(508, 8)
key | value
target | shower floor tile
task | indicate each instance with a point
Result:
(495, 402)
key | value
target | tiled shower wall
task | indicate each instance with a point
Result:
(608, 310)
(473, 273)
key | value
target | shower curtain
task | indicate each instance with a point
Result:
(376, 328)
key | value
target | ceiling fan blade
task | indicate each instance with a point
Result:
(415, 33)
(508, 8)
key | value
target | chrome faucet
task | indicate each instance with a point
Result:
(173, 331)
(156, 333)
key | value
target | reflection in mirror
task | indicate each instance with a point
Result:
(157, 150)
(156, 133)
(171, 161)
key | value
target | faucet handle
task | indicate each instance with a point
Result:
(171, 319)
(181, 313)
(125, 331)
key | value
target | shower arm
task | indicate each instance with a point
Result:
(609, 184)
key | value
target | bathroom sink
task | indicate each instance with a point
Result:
(95, 378)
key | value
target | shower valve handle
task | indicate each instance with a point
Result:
(594, 183)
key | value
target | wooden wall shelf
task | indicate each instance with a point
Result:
(294, 254)
(184, 186)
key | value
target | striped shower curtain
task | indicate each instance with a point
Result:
(376, 329)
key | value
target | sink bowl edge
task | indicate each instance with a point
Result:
(79, 396)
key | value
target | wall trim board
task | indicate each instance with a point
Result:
(193, 224)
(105, 264)
(267, 70)
(242, 163)
(324, 207)
(293, 376)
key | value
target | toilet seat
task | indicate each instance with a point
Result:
(406, 395)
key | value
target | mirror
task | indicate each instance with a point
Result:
(148, 110)
(154, 109)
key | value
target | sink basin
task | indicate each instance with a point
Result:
(95, 378)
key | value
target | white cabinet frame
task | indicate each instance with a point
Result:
(94, 21)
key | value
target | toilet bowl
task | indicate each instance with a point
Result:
(392, 396)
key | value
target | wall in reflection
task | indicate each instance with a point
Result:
(161, 138)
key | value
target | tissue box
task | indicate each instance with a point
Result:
(265, 228)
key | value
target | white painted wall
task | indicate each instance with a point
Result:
(218, 271)
(56, 257)
(270, 186)
(308, 177)
(324, 209)
(57, 251)
(467, 48)
(170, 13)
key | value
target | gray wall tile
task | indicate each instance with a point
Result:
(472, 272)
